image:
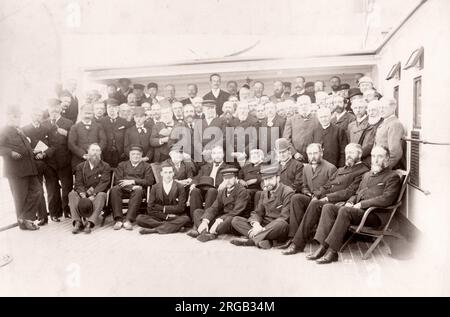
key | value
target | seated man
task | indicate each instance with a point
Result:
(378, 188)
(165, 212)
(250, 177)
(131, 179)
(183, 170)
(291, 172)
(315, 174)
(340, 187)
(231, 201)
(208, 195)
(86, 201)
(269, 221)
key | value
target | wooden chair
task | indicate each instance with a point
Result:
(384, 230)
(156, 169)
(125, 201)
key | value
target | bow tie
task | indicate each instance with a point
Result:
(142, 129)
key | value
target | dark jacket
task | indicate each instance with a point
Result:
(379, 190)
(275, 207)
(228, 207)
(367, 141)
(312, 181)
(35, 135)
(334, 141)
(250, 171)
(72, 111)
(206, 170)
(355, 130)
(142, 174)
(174, 202)
(299, 131)
(186, 170)
(161, 151)
(81, 137)
(221, 98)
(343, 183)
(12, 140)
(59, 155)
(115, 135)
(270, 131)
(99, 177)
(204, 138)
(132, 136)
(343, 121)
(291, 174)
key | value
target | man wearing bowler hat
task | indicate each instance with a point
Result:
(86, 201)
(131, 179)
(165, 212)
(139, 134)
(230, 202)
(269, 221)
(138, 91)
(124, 90)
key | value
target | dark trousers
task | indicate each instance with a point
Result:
(224, 228)
(151, 220)
(299, 203)
(335, 221)
(199, 196)
(42, 209)
(274, 230)
(58, 195)
(310, 219)
(254, 195)
(134, 203)
(26, 192)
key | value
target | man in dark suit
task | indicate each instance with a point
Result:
(92, 179)
(278, 92)
(39, 134)
(299, 86)
(59, 162)
(83, 134)
(138, 91)
(183, 171)
(356, 128)
(165, 212)
(271, 128)
(230, 202)
(124, 90)
(160, 136)
(198, 196)
(341, 186)
(269, 221)
(332, 138)
(250, 176)
(192, 91)
(139, 134)
(341, 117)
(378, 188)
(69, 106)
(20, 169)
(216, 94)
(131, 178)
(291, 170)
(315, 174)
(114, 128)
(244, 135)
(367, 138)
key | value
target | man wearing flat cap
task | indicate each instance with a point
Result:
(86, 201)
(131, 179)
(165, 211)
(269, 221)
(20, 169)
(230, 202)
(114, 128)
(84, 133)
(124, 90)
(291, 170)
(139, 134)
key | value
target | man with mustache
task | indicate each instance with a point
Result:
(341, 117)
(367, 138)
(216, 94)
(378, 188)
(86, 201)
(269, 221)
(356, 128)
(340, 187)
(315, 175)
(278, 91)
(250, 176)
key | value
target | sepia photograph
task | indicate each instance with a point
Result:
(224, 149)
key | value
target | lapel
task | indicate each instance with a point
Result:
(286, 165)
(318, 170)
(172, 191)
(226, 200)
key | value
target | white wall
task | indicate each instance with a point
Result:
(428, 27)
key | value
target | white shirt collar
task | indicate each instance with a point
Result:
(134, 165)
(362, 118)
(167, 187)
(215, 92)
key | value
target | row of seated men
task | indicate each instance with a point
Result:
(282, 215)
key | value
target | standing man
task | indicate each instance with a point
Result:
(99, 110)
(177, 109)
(332, 138)
(230, 202)
(258, 91)
(278, 92)
(20, 169)
(367, 139)
(299, 87)
(169, 96)
(272, 127)
(165, 212)
(232, 88)
(83, 134)
(139, 134)
(341, 117)
(335, 83)
(153, 97)
(216, 94)
(357, 127)
(378, 188)
(192, 91)
(59, 161)
(70, 86)
(124, 90)
(269, 221)
(69, 106)
(131, 179)
(86, 201)
(391, 131)
(291, 170)
(160, 136)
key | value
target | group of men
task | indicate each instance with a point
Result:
(269, 168)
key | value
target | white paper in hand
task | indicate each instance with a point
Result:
(40, 147)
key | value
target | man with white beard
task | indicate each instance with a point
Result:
(378, 188)
(367, 139)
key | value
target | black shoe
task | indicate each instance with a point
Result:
(292, 250)
(243, 243)
(55, 219)
(205, 237)
(78, 227)
(68, 216)
(43, 222)
(284, 245)
(193, 233)
(318, 254)
(88, 227)
(329, 257)
(28, 225)
(265, 244)
(148, 231)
